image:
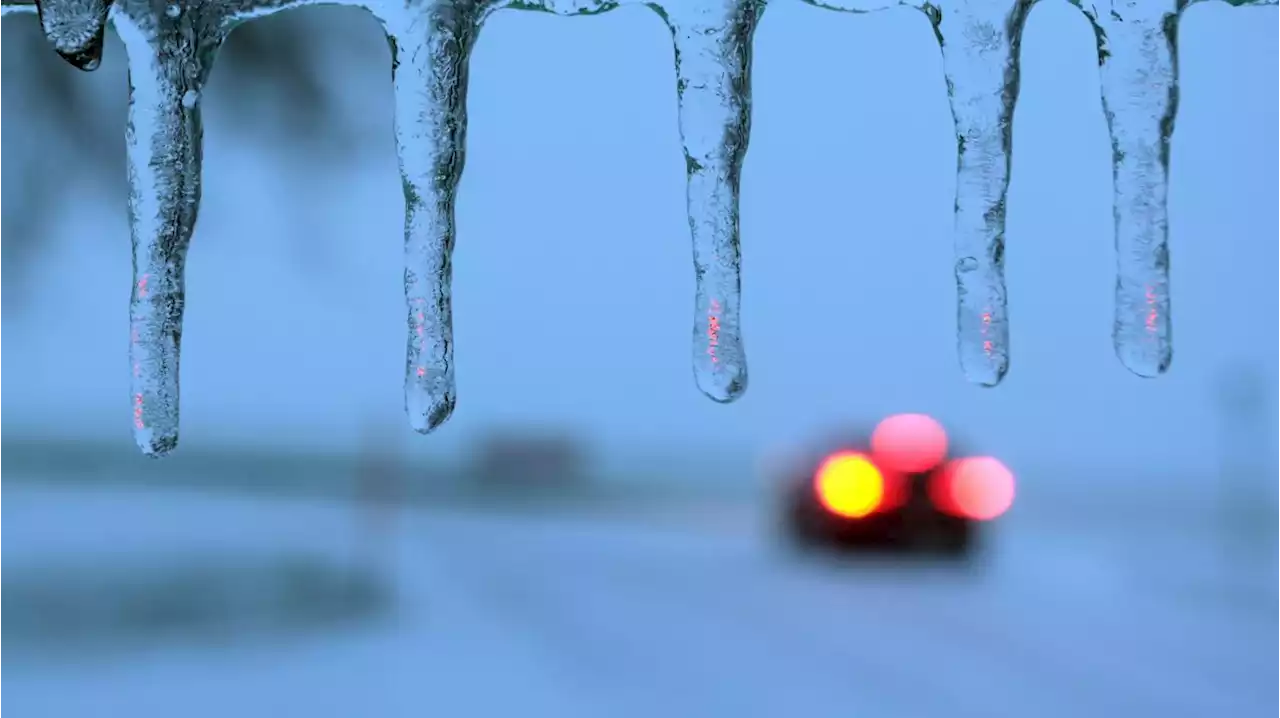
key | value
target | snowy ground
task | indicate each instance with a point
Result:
(510, 615)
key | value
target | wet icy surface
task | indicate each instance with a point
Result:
(171, 48)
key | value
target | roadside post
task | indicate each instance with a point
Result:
(380, 493)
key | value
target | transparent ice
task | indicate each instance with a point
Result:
(171, 45)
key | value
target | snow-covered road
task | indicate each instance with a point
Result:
(508, 615)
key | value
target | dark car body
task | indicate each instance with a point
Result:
(912, 517)
(525, 460)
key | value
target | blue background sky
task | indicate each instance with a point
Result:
(573, 273)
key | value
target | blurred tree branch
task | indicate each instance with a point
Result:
(274, 63)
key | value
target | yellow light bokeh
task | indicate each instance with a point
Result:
(849, 485)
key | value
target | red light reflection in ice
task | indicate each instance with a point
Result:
(713, 330)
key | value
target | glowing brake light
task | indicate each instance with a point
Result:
(909, 443)
(848, 484)
(979, 488)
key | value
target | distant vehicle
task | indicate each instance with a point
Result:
(519, 460)
(903, 486)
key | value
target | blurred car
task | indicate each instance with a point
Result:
(904, 485)
(518, 460)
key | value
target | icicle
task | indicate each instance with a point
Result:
(1137, 52)
(431, 47)
(75, 29)
(168, 63)
(713, 71)
(171, 45)
(980, 54)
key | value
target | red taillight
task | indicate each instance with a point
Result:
(849, 484)
(909, 443)
(979, 488)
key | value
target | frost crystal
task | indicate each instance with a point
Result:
(75, 29)
(170, 47)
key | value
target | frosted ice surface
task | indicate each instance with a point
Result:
(1137, 54)
(75, 28)
(430, 53)
(169, 60)
(980, 40)
(713, 67)
(170, 47)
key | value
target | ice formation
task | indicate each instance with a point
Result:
(171, 46)
(75, 28)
